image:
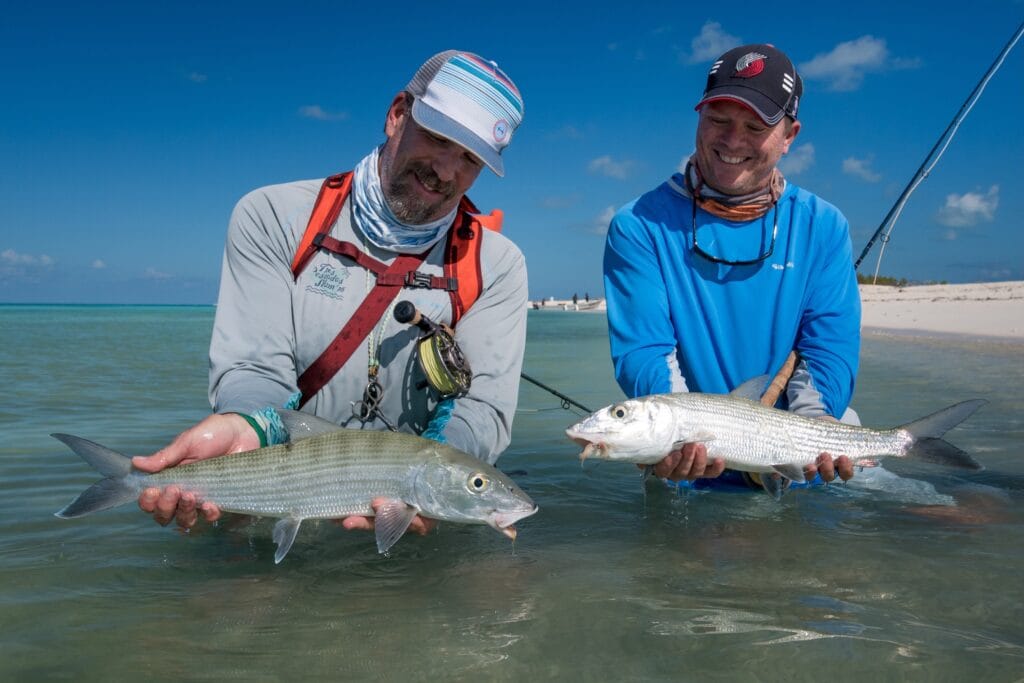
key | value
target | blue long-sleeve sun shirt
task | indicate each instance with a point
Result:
(681, 322)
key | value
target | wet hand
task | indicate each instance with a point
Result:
(828, 468)
(689, 462)
(215, 436)
(173, 504)
(420, 525)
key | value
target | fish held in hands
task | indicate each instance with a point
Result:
(325, 472)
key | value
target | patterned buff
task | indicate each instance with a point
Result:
(373, 216)
(738, 209)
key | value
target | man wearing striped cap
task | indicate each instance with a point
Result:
(313, 271)
(722, 272)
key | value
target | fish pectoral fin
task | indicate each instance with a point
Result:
(791, 472)
(697, 437)
(773, 484)
(393, 518)
(284, 535)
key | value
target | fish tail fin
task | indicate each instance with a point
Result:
(106, 493)
(928, 431)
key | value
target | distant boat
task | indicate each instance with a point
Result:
(567, 305)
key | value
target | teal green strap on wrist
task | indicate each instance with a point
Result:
(272, 425)
(256, 426)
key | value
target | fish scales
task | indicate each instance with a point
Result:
(325, 472)
(325, 477)
(752, 437)
(742, 431)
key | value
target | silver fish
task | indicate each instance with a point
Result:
(324, 472)
(754, 438)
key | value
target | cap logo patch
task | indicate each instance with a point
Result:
(750, 65)
(501, 130)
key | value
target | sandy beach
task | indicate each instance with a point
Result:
(989, 309)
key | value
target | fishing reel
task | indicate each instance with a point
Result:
(440, 357)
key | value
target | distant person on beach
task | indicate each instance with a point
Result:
(719, 273)
(313, 270)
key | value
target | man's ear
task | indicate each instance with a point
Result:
(791, 135)
(400, 109)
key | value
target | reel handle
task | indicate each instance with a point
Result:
(406, 312)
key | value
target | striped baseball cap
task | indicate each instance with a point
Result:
(759, 76)
(469, 100)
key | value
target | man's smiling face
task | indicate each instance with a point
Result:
(423, 175)
(736, 150)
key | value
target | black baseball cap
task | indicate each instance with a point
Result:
(759, 76)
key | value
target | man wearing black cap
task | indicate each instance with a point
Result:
(718, 274)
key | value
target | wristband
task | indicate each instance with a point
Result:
(256, 427)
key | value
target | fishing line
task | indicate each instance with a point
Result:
(937, 151)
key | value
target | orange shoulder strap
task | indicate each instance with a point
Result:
(328, 205)
(462, 255)
(462, 251)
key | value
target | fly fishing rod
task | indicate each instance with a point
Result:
(934, 155)
(566, 401)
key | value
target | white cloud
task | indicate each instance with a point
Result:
(968, 210)
(154, 274)
(600, 226)
(799, 159)
(315, 111)
(16, 265)
(710, 43)
(99, 264)
(845, 66)
(197, 77)
(860, 168)
(12, 258)
(606, 166)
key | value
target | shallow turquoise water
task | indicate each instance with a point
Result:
(885, 579)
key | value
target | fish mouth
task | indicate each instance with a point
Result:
(503, 521)
(590, 447)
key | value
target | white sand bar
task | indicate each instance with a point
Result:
(990, 309)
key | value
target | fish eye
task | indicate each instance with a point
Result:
(619, 411)
(478, 482)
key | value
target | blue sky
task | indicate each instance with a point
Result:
(129, 131)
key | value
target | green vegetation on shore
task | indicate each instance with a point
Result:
(891, 281)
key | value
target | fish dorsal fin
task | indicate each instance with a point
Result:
(393, 518)
(284, 535)
(303, 425)
(752, 389)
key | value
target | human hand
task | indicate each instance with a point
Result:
(215, 436)
(689, 462)
(828, 468)
(420, 525)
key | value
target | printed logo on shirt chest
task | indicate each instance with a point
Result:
(327, 280)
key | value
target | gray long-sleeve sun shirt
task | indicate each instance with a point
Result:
(270, 327)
